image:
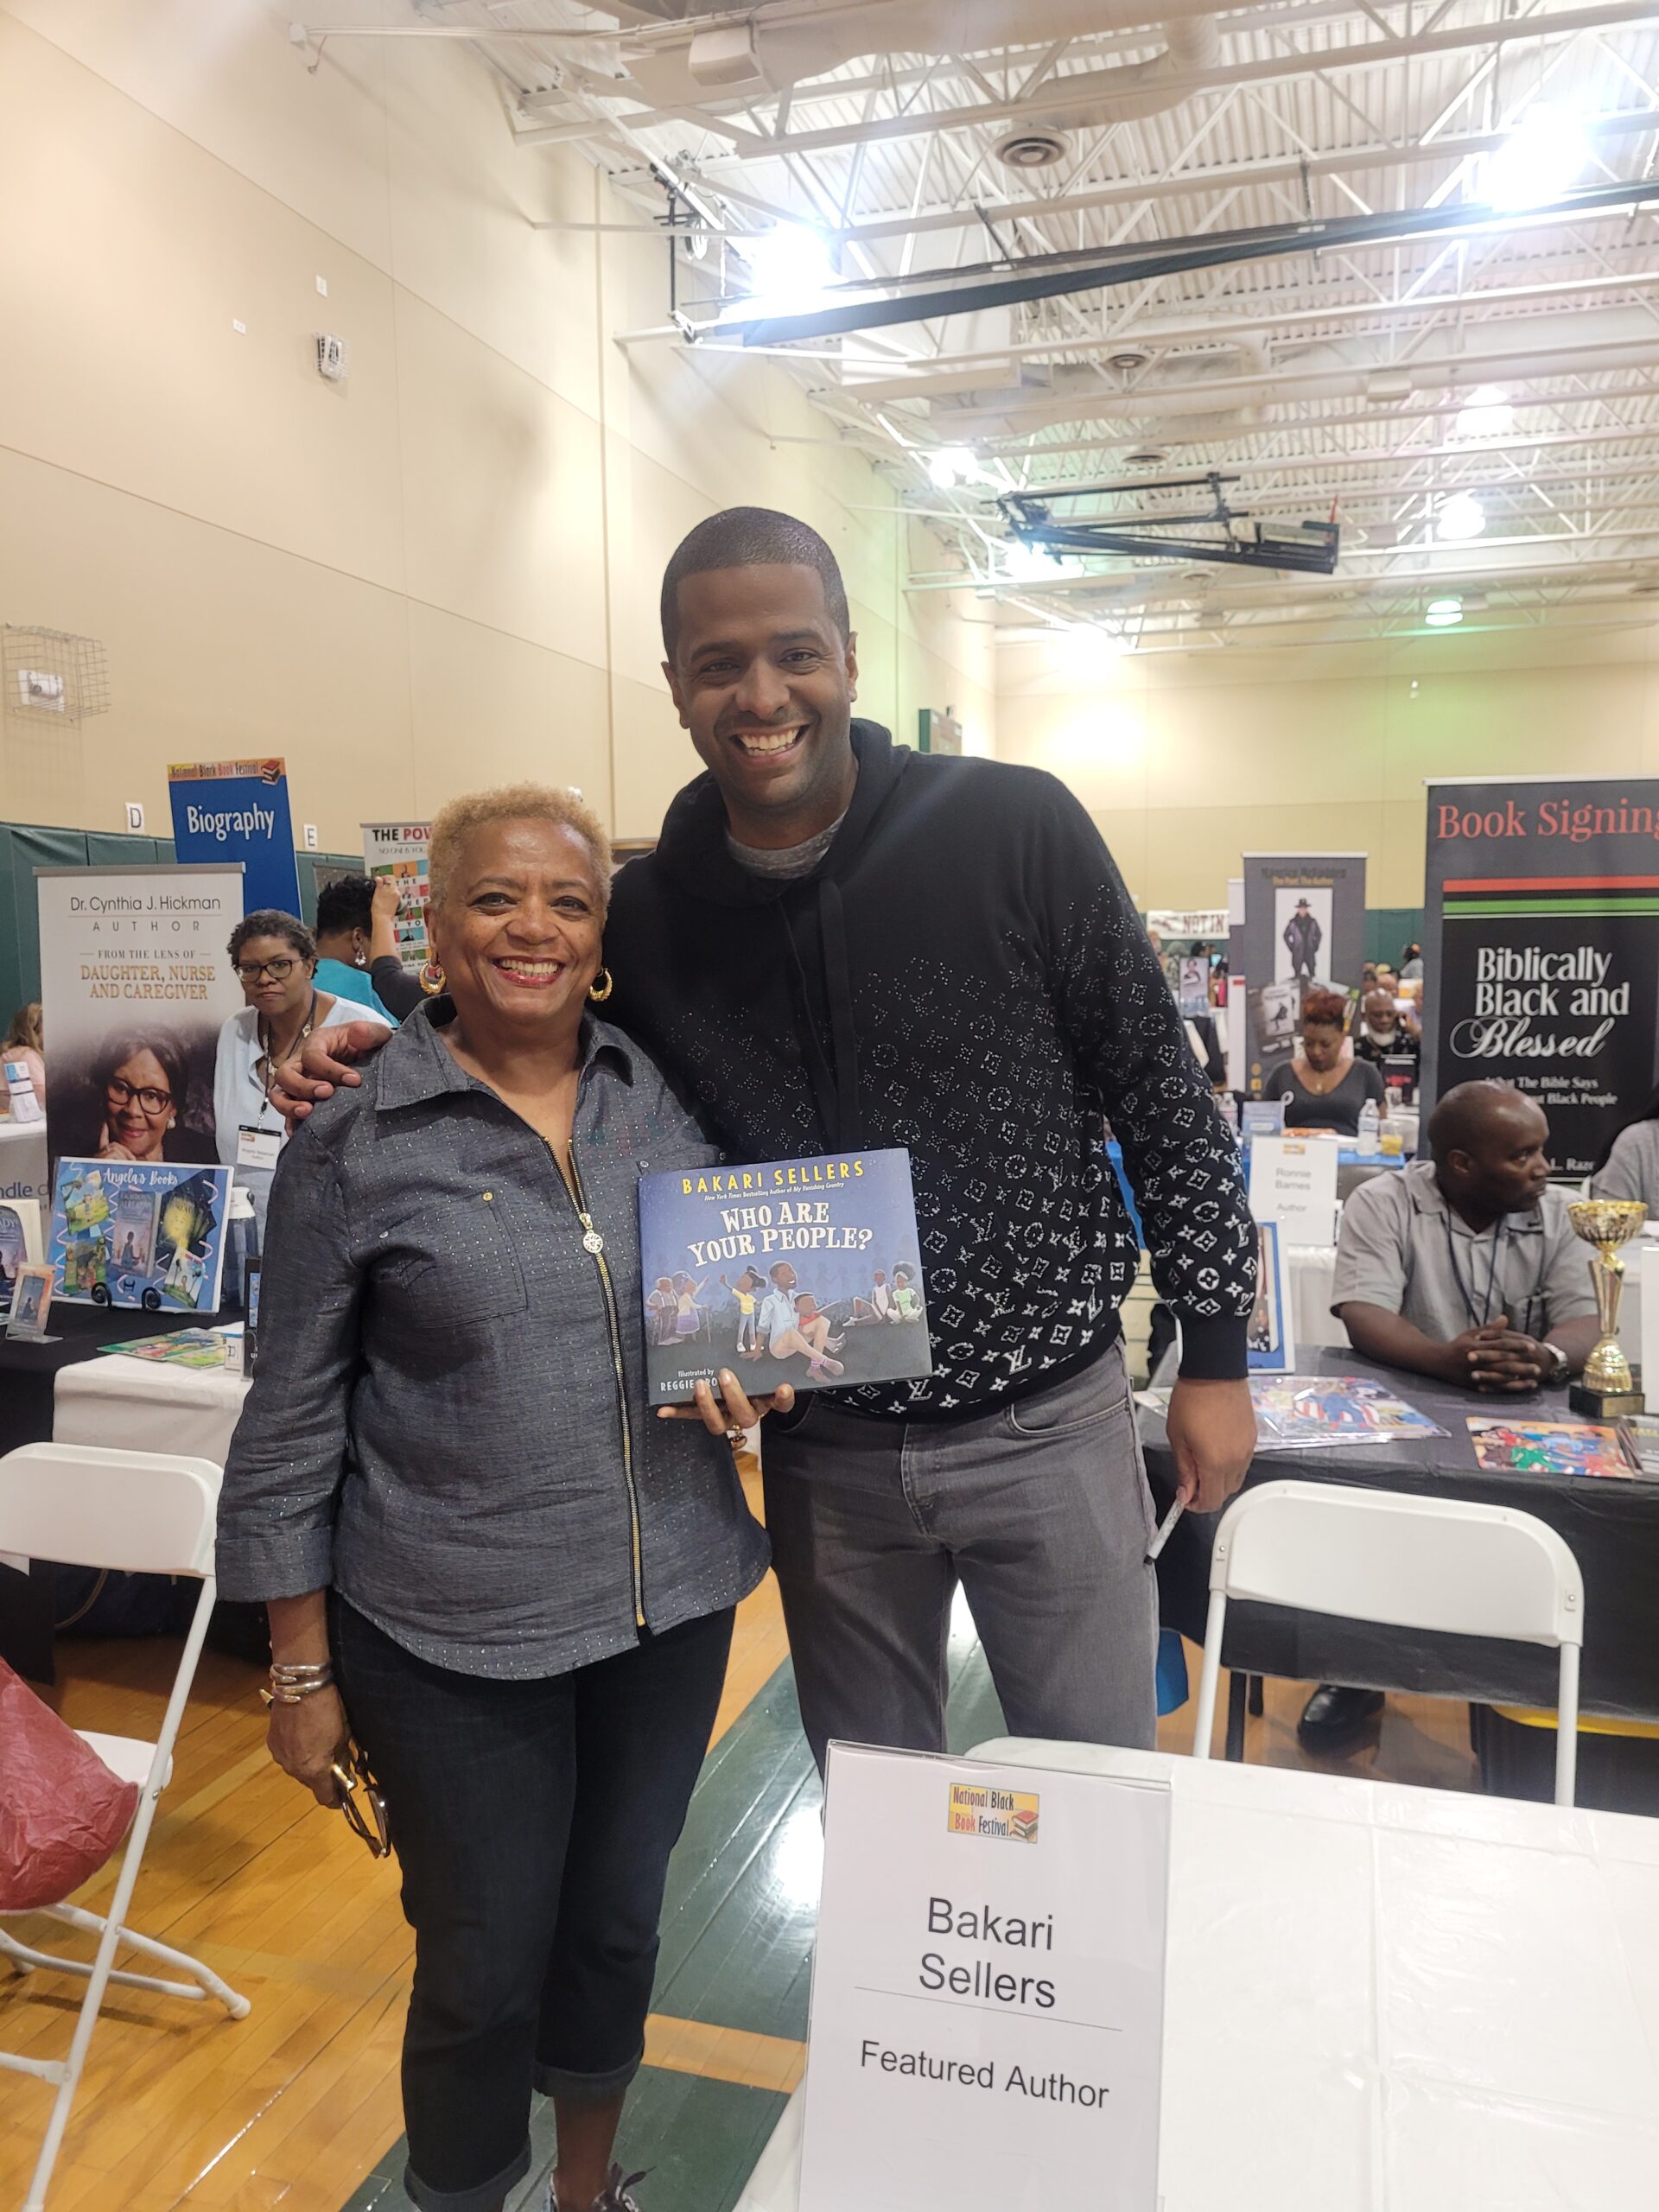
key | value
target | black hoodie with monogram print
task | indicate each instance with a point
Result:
(962, 974)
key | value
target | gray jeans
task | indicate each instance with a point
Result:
(1038, 1509)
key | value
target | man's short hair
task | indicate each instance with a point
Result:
(1458, 1121)
(751, 537)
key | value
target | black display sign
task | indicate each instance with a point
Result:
(1304, 928)
(1542, 950)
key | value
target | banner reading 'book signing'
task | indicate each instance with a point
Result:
(238, 810)
(1541, 946)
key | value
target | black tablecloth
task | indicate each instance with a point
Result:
(1612, 1526)
(28, 1377)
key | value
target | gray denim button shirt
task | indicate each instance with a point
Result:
(436, 1426)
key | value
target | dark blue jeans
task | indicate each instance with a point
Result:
(532, 1822)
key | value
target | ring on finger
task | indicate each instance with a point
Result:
(733, 1436)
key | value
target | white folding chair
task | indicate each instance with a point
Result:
(150, 1515)
(1426, 1563)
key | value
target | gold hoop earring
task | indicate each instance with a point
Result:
(597, 994)
(431, 978)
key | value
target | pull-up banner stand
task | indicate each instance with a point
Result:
(1541, 949)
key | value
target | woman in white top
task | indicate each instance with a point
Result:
(1629, 1167)
(275, 957)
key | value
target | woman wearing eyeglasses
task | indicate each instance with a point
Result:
(141, 1088)
(275, 957)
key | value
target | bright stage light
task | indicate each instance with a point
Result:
(1443, 614)
(790, 268)
(950, 466)
(1486, 413)
(1460, 518)
(1086, 650)
(1030, 565)
(1540, 159)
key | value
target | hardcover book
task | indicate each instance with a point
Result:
(139, 1233)
(799, 1271)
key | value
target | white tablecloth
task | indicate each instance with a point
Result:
(1385, 2000)
(1313, 1267)
(139, 1406)
(23, 1163)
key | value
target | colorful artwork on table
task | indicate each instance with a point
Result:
(1548, 1447)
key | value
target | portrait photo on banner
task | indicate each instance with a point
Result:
(136, 984)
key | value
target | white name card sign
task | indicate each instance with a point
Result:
(1646, 1257)
(987, 1992)
(1293, 1182)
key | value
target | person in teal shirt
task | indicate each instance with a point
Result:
(345, 912)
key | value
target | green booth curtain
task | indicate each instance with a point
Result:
(25, 846)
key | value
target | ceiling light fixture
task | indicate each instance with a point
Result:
(1085, 649)
(1486, 413)
(1460, 518)
(789, 270)
(1541, 158)
(1029, 564)
(950, 466)
(1443, 614)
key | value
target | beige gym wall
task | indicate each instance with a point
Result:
(1185, 760)
(437, 574)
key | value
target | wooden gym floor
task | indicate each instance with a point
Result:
(297, 2106)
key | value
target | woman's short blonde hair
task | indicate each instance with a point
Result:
(455, 824)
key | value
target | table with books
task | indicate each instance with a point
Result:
(1342, 1418)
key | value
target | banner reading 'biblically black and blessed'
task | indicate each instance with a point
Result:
(1541, 937)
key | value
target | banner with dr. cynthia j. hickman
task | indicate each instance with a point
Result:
(1541, 946)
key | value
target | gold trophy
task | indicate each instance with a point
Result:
(1608, 1389)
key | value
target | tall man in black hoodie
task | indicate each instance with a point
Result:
(838, 943)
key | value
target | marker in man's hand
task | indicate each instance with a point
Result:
(1166, 1530)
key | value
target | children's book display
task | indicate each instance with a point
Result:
(1311, 1413)
(20, 1243)
(139, 1233)
(182, 1347)
(1548, 1447)
(799, 1271)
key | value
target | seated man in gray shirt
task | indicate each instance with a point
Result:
(1467, 1269)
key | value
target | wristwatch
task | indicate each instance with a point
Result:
(1559, 1365)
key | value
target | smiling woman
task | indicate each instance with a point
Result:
(481, 1555)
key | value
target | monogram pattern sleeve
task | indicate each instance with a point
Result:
(1125, 1031)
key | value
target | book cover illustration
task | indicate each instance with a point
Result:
(139, 1233)
(798, 1271)
(1548, 1447)
(1312, 1412)
(181, 1348)
(20, 1243)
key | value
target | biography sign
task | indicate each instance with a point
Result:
(987, 1996)
(1541, 945)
